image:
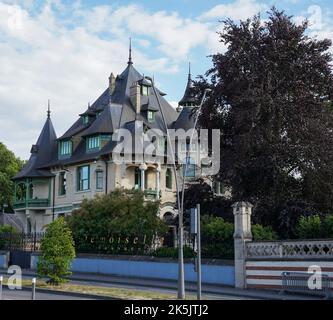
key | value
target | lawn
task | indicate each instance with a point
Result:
(117, 293)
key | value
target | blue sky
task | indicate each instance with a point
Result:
(65, 50)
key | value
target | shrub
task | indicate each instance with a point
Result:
(327, 226)
(217, 238)
(120, 222)
(57, 249)
(260, 232)
(309, 227)
(9, 236)
(171, 252)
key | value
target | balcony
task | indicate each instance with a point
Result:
(150, 194)
(31, 203)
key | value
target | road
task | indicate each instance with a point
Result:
(26, 295)
(213, 292)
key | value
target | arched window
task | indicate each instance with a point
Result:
(137, 179)
(190, 170)
(21, 192)
(168, 179)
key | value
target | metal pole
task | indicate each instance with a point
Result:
(198, 252)
(33, 289)
(1, 281)
(181, 277)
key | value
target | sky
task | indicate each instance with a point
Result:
(65, 51)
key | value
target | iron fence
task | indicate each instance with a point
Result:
(20, 241)
(116, 243)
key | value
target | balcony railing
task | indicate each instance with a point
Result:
(32, 203)
(150, 194)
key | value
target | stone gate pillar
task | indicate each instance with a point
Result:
(242, 217)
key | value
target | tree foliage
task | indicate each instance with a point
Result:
(120, 214)
(272, 100)
(57, 252)
(9, 166)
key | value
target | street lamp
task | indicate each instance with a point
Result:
(188, 149)
(181, 277)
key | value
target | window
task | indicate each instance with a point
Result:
(83, 178)
(99, 180)
(93, 143)
(137, 179)
(21, 192)
(218, 187)
(190, 168)
(85, 119)
(65, 147)
(151, 116)
(144, 90)
(62, 183)
(186, 147)
(168, 179)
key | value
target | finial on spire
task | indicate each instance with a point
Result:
(48, 109)
(189, 70)
(130, 52)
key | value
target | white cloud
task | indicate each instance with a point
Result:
(237, 10)
(65, 52)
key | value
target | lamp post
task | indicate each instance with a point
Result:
(181, 278)
(180, 202)
(188, 149)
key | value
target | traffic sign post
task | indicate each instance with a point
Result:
(198, 252)
(195, 230)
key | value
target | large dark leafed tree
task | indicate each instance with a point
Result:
(272, 100)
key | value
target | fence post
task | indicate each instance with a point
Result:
(242, 219)
(33, 289)
(1, 282)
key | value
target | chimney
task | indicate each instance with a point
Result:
(135, 96)
(112, 83)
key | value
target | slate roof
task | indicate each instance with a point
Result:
(108, 113)
(42, 152)
(189, 95)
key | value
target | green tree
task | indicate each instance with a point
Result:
(58, 251)
(120, 214)
(263, 233)
(9, 166)
(327, 226)
(272, 100)
(217, 237)
(309, 227)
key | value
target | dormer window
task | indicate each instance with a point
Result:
(65, 148)
(144, 90)
(85, 119)
(95, 143)
(151, 116)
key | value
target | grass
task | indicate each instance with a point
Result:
(117, 293)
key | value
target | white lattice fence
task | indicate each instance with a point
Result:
(305, 249)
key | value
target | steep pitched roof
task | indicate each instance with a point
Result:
(42, 152)
(185, 120)
(112, 111)
(189, 94)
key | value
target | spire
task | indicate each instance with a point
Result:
(130, 52)
(189, 98)
(48, 109)
(189, 71)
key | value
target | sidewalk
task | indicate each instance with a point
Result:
(144, 283)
